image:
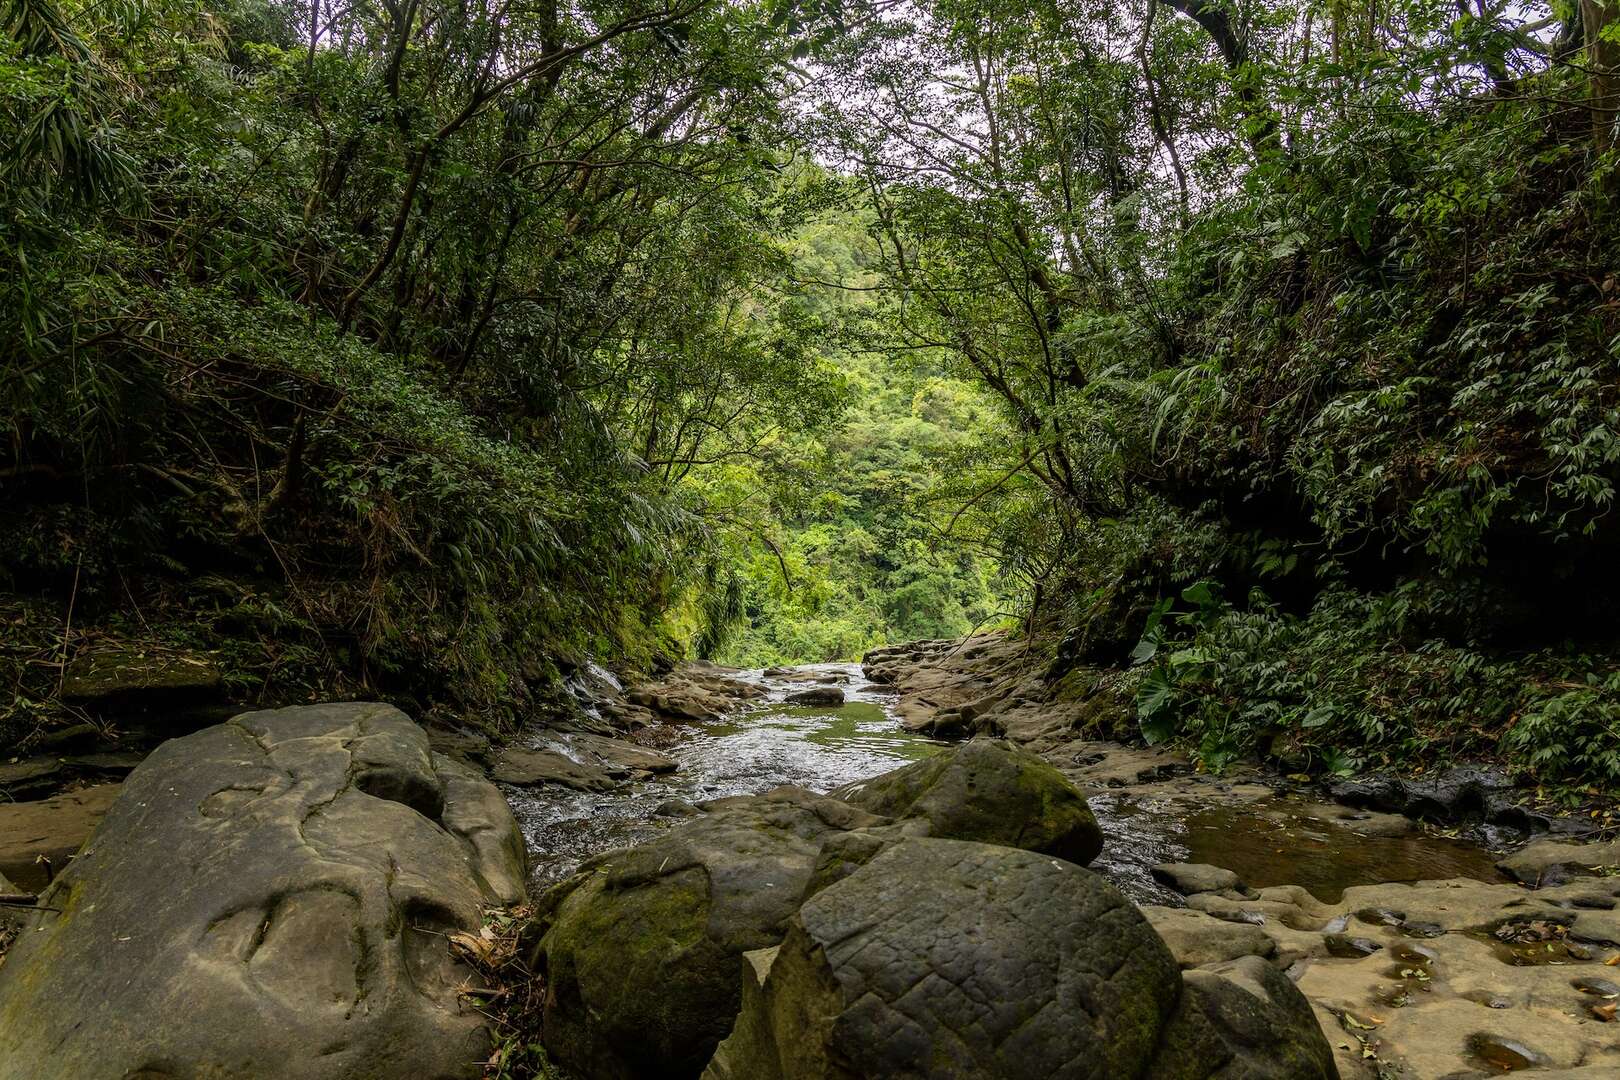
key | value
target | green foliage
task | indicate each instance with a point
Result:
(385, 367)
(1276, 350)
(1306, 359)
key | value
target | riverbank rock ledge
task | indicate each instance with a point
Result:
(950, 960)
(270, 893)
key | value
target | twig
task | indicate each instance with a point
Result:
(67, 630)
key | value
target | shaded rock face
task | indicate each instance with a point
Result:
(275, 889)
(1242, 1021)
(989, 791)
(944, 959)
(1463, 793)
(640, 949)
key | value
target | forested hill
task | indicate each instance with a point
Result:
(1269, 352)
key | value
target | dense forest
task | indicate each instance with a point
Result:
(1267, 351)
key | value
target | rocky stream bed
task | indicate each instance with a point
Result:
(796, 872)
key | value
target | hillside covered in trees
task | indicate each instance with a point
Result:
(1266, 352)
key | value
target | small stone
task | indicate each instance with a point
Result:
(1488, 999)
(1190, 879)
(1346, 947)
(1375, 916)
(1422, 929)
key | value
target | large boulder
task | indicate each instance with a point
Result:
(990, 791)
(640, 948)
(273, 893)
(944, 959)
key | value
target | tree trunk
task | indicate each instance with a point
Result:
(1603, 62)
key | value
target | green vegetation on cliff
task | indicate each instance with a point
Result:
(1272, 349)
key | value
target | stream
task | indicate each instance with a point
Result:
(769, 742)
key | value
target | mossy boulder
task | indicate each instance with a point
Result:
(990, 791)
(949, 960)
(946, 959)
(640, 949)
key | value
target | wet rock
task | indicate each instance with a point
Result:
(942, 958)
(1464, 793)
(820, 696)
(1345, 946)
(1421, 929)
(31, 777)
(694, 691)
(1242, 1019)
(1375, 916)
(989, 791)
(1553, 862)
(273, 890)
(468, 747)
(39, 776)
(1594, 902)
(527, 768)
(618, 756)
(1188, 879)
(52, 829)
(641, 948)
(1591, 984)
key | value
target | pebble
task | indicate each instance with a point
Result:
(1347, 947)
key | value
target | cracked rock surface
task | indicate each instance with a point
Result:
(951, 960)
(269, 896)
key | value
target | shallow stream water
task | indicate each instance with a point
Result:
(768, 743)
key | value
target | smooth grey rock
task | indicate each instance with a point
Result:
(1189, 879)
(1196, 938)
(950, 960)
(270, 895)
(990, 791)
